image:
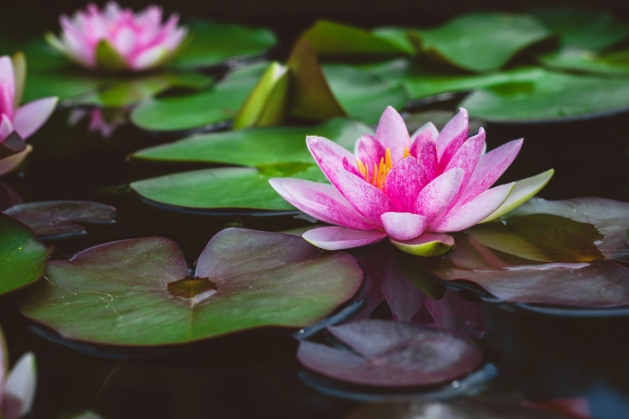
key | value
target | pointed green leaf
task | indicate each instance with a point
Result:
(108, 57)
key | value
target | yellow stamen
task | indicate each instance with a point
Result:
(388, 158)
(380, 170)
(407, 153)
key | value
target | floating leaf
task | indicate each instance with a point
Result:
(256, 146)
(460, 409)
(238, 188)
(214, 43)
(57, 218)
(586, 61)
(583, 28)
(22, 256)
(422, 83)
(331, 38)
(558, 253)
(388, 353)
(482, 41)
(363, 95)
(550, 96)
(215, 105)
(120, 293)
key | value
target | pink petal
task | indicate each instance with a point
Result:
(392, 133)
(439, 194)
(467, 156)
(452, 136)
(7, 75)
(426, 131)
(474, 211)
(368, 200)
(404, 182)
(425, 151)
(368, 150)
(337, 238)
(403, 225)
(30, 117)
(352, 169)
(489, 168)
(125, 41)
(150, 58)
(6, 128)
(321, 201)
(6, 100)
(329, 156)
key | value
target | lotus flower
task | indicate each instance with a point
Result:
(18, 123)
(17, 390)
(115, 38)
(411, 189)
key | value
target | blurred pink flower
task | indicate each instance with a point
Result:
(18, 122)
(116, 38)
(17, 388)
(411, 189)
(98, 120)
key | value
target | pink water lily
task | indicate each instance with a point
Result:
(17, 387)
(118, 38)
(411, 189)
(18, 122)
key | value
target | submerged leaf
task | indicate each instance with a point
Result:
(388, 353)
(57, 218)
(120, 293)
(23, 256)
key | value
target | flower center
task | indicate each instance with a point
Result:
(378, 175)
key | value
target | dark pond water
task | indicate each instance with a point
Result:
(255, 374)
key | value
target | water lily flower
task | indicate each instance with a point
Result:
(115, 38)
(411, 189)
(17, 389)
(18, 122)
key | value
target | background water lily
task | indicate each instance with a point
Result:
(17, 388)
(18, 122)
(116, 38)
(412, 189)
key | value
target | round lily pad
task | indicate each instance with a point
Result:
(212, 43)
(138, 292)
(212, 106)
(482, 42)
(549, 97)
(562, 253)
(236, 188)
(385, 353)
(23, 256)
(255, 146)
(57, 218)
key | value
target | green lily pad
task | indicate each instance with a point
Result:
(237, 187)
(256, 146)
(586, 61)
(23, 256)
(421, 83)
(138, 292)
(550, 96)
(363, 96)
(331, 38)
(583, 28)
(482, 42)
(213, 43)
(212, 106)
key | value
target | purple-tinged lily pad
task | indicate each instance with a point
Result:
(385, 353)
(138, 292)
(57, 218)
(460, 409)
(560, 253)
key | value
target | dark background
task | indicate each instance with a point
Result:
(286, 17)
